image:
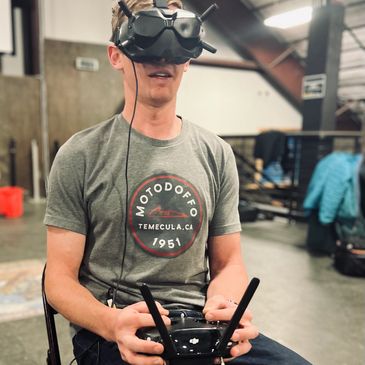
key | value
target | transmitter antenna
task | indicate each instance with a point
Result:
(242, 306)
(168, 344)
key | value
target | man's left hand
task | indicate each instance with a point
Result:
(219, 308)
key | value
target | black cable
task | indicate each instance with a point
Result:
(86, 350)
(125, 218)
(98, 358)
(127, 187)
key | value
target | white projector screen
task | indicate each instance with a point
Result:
(6, 27)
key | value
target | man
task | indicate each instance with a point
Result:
(180, 212)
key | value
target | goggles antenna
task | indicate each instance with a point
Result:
(209, 48)
(125, 9)
(202, 18)
(208, 12)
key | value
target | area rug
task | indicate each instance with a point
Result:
(20, 289)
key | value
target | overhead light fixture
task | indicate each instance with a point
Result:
(290, 18)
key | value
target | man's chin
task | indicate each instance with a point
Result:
(160, 100)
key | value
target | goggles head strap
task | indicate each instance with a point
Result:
(161, 4)
(125, 9)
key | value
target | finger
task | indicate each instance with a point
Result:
(146, 320)
(161, 309)
(216, 302)
(241, 348)
(135, 344)
(143, 308)
(244, 334)
(217, 306)
(244, 323)
(139, 359)
(224, 314)
(248, 316)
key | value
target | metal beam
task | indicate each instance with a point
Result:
(353, 67)
(347, 85)
(357, 26)
(357, 3)
(249, 37)
(281, 57)
(269, 5)
(297, 40)
(238, 65)
(355, 37)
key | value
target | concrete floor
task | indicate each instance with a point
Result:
(302, 301)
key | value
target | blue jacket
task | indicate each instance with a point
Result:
(333, 189)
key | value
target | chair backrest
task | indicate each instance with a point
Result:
(53, 352)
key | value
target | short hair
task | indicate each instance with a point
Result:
(118, 16)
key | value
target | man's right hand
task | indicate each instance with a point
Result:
(128, 321)
(75, 302)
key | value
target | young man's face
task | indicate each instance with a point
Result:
(158, 82)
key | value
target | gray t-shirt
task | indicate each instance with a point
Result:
(180, 192)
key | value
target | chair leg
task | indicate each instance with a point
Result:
(53, 353)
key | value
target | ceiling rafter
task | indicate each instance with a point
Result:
(355, 37)
(354, 67)
(292, 43)
(269, 5)
(353, 44)
(249, 37)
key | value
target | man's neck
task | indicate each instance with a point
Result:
(154, 122)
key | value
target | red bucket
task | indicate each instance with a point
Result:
(2, 204)
(11, 201)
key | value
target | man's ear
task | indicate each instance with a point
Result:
(116, 57)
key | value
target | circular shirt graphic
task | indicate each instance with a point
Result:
(165, 215)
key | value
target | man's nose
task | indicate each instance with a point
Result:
(160, 61)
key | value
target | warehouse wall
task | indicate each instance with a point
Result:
(89, 21)
(234, 102)
(20, 120)
(78, 99)
(86, 21)
(224, 101)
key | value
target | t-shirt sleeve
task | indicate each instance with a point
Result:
(226, 217)
(66, 207)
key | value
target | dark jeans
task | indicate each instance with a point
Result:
(90, 349)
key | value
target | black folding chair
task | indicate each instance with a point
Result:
(53, 352)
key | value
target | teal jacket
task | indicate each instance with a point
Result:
(334, 188)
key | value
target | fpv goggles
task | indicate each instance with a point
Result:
(162, 33)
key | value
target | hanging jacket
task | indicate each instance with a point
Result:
(334, 188)
(362, 186)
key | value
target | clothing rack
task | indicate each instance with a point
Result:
(292, 195)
